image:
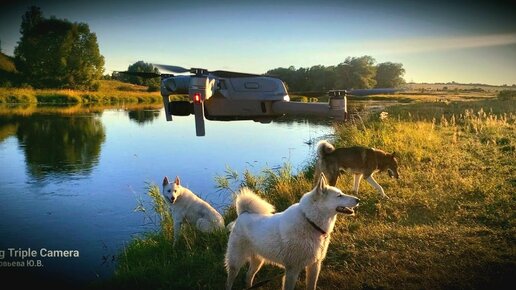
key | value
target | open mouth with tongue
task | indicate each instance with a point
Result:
(346, 210)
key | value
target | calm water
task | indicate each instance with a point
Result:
(71, 179)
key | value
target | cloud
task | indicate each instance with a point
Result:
(430, 44)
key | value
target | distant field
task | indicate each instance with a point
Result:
(420, 92)
(459, 87)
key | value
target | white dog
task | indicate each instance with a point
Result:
(186, 206)
(295, 239)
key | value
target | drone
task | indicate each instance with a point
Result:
(228, 96)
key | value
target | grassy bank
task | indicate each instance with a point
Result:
(450, 222)
(110, 92)
(71, 109)
(414, 94)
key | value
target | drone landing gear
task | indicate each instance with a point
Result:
(199, 118)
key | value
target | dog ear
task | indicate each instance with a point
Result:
(324, 180)
(321, 185)
(165, 181)
(177, 180)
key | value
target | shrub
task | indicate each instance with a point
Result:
(506, 95)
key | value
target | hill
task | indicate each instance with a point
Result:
(7, 64)
(8, 73)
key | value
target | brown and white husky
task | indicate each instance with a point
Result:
(359, 160)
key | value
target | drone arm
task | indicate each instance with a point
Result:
(336, 108)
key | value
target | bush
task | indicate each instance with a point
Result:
(506, 95)
(153, 88)
(126, 88)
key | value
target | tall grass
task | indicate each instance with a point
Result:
(450, 222)
(152, 262)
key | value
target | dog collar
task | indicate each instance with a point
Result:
(316, 227)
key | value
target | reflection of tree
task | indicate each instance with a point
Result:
(60, 144)
(303, 120)
(8, 127)
(143, 116)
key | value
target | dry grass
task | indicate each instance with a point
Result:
(110, 92)
(450, 222)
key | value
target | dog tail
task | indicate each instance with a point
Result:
(324, 147)
(247, 201)
(230, 226)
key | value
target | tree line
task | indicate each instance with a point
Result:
(353, 73)
(57, 53)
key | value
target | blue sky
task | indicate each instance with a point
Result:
(436, 41)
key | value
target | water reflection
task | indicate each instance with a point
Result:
(56, 144)
(7, 130)
(30, 109)
(116, 153)
(143, 116)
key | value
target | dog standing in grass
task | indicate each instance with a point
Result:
(359, 160)
(186, 206)
(295, 239)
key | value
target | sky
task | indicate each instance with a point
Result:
(436, 41)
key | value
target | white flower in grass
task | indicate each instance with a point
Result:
(383, 115)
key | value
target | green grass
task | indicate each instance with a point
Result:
(110, 92)
(450, 222)
(151, 262)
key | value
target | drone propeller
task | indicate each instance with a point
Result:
(231, 74)
(216, 73)
(362, 92)
(145, 75)
(171, 68)
(178, 69)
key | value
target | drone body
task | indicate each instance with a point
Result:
(228, 96)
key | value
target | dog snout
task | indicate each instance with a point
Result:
(172, 199)
(393, 173)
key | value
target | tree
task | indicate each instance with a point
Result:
(361, 72)
(342, 76)
(57, 53)
(31, 19)
(141, 66)
(321, 78)
(389, 75)
(287, 75)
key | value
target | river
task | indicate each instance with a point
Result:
(71, 177)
